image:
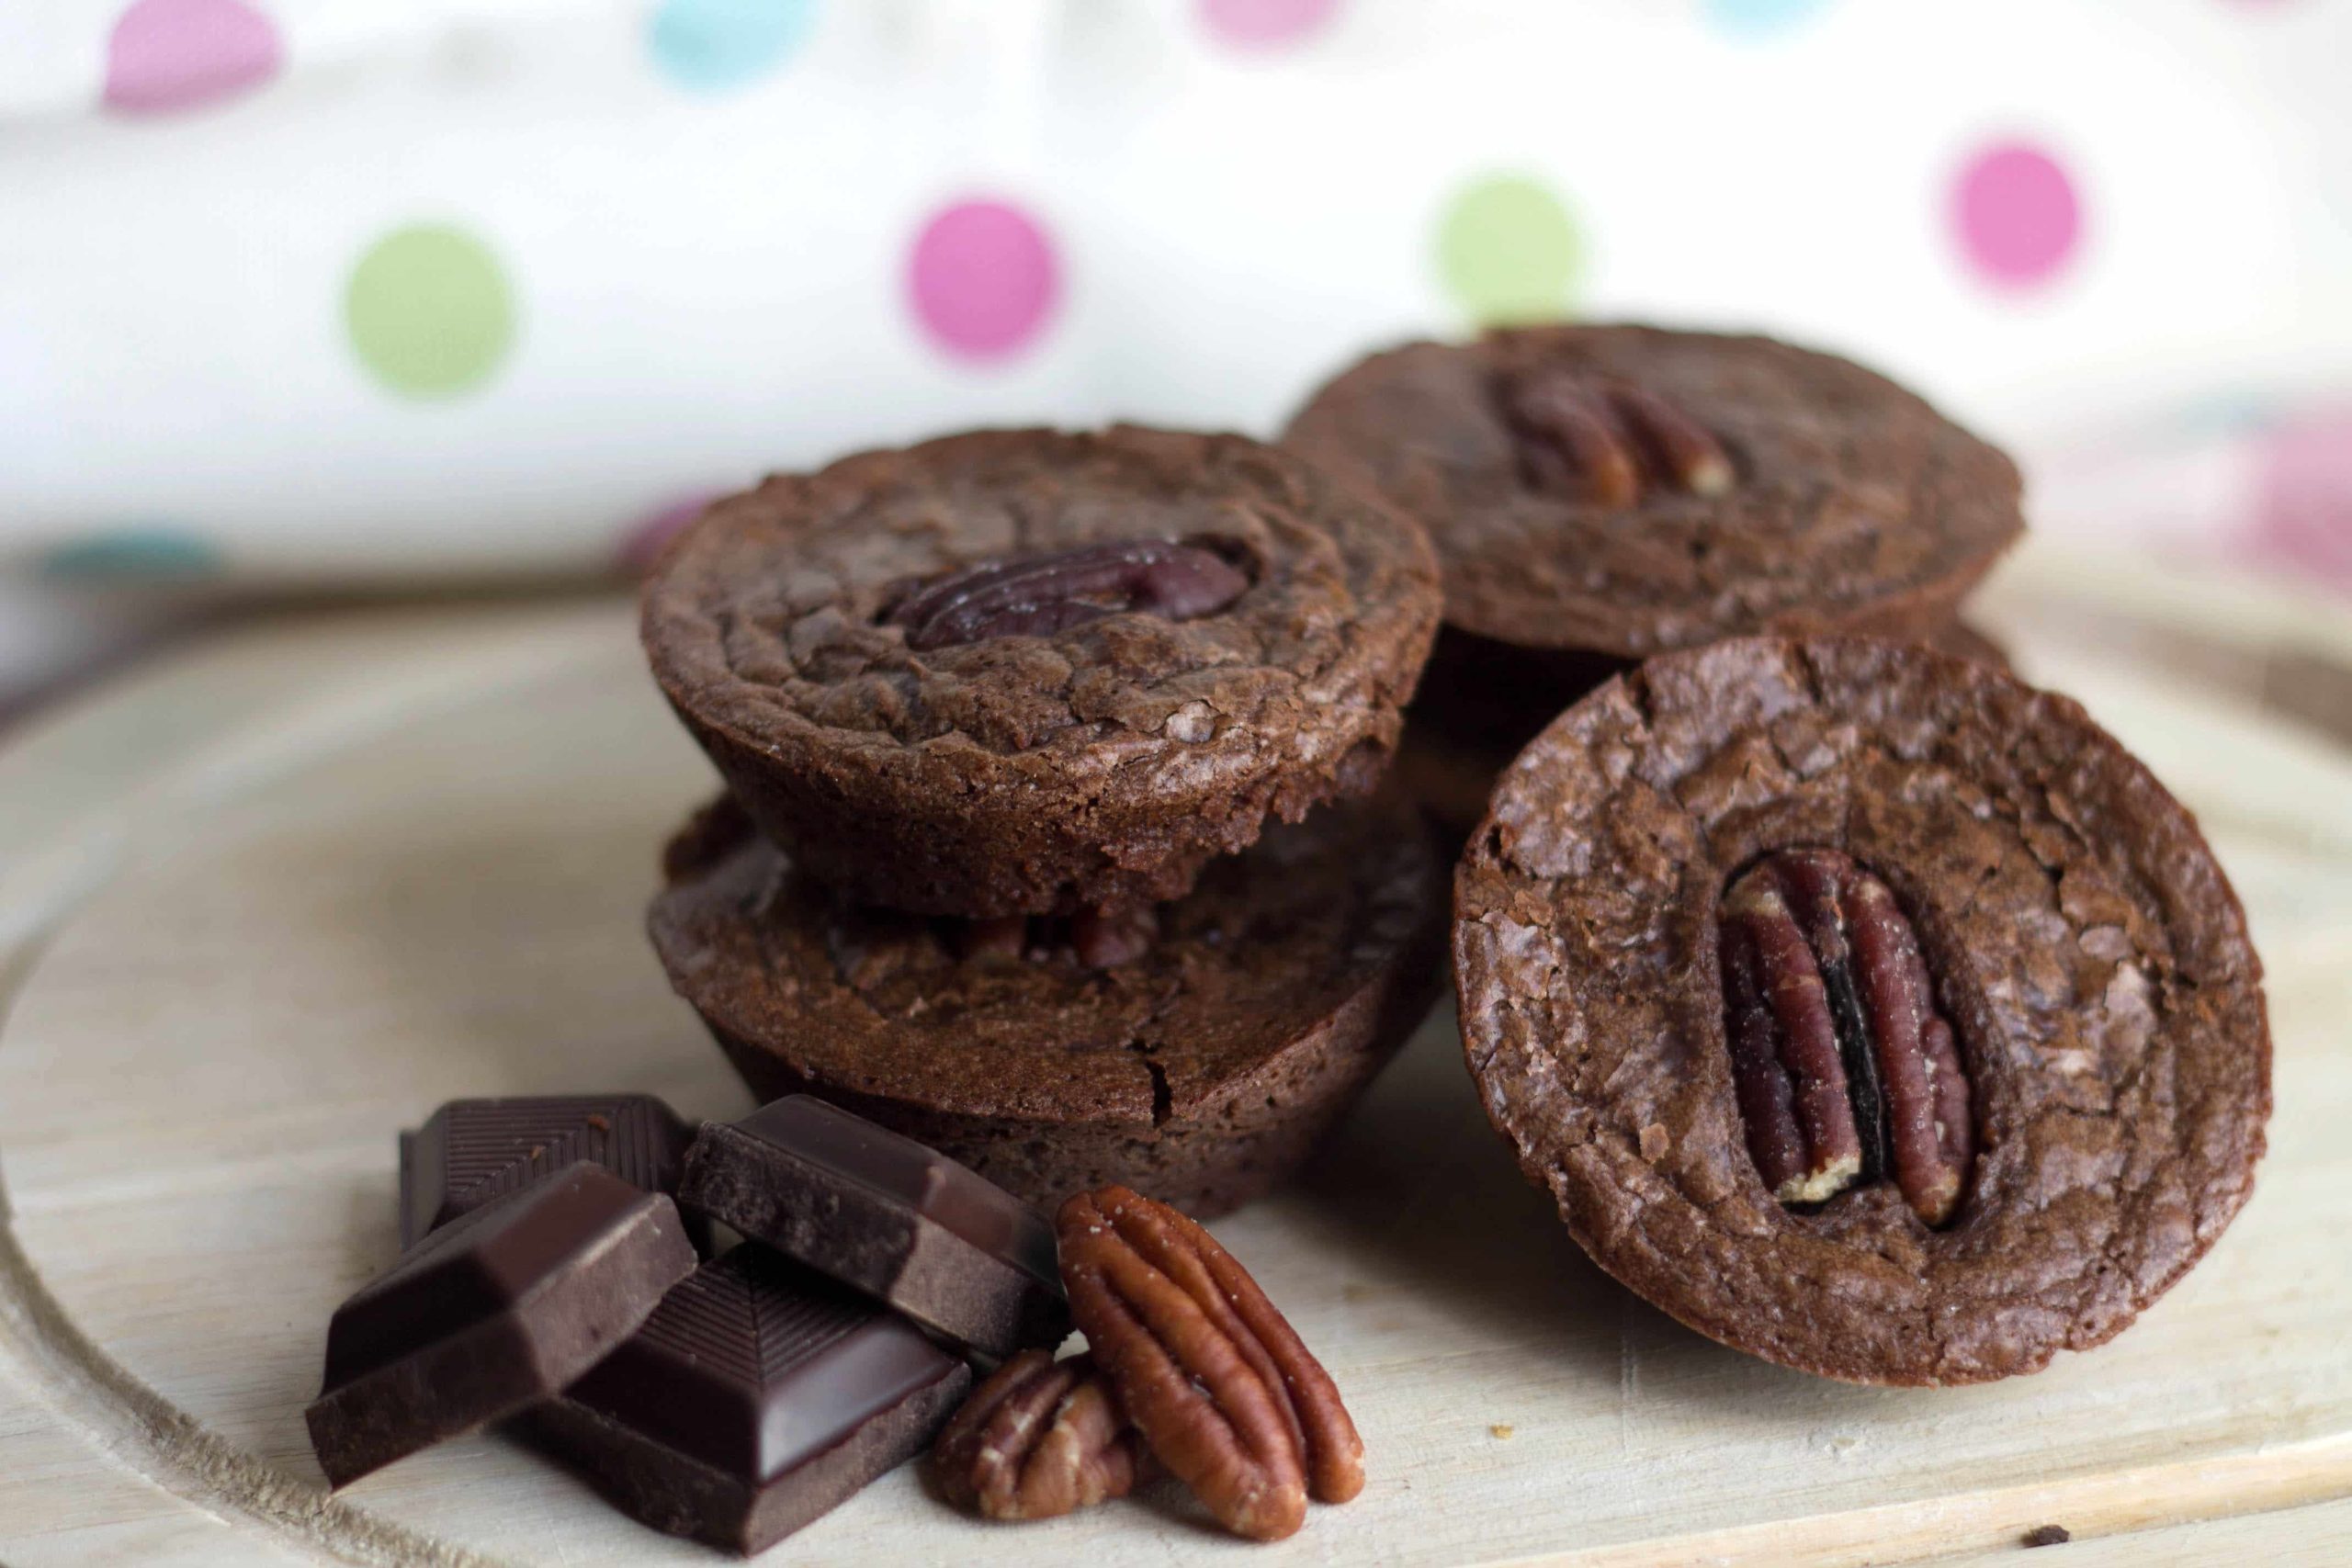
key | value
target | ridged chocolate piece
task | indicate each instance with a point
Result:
(471, 1151)
(493, 1312)
(903, 1223)
(755, 1399)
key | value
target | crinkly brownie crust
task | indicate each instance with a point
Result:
(1202, 1072)
(1855, 506)
(1099, 765)
(2083, 943)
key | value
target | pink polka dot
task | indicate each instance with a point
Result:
(2304, 512)
(983, 279)
(2014, 215)
(1264, 24)
(643, 545)
(176, 54)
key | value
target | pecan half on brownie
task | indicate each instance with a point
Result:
(1600, 493)
(1863, 1009)
(1025, 672)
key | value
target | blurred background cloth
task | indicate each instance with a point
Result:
(311, 293)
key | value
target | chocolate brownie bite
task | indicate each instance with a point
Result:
(1863, 1009)
(1030, 673)
(1596, 494)
(1482, 701)
(1626, 491)
(1199, 1061)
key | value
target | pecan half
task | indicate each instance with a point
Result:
(1229, 1398)
(1038, 1440)
(1037, 595)
(1608, 442)
(1844, 1071)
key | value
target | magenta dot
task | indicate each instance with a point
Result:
(645, 539)
(2304, 512)
(2015, 214)
(176, 54)
(983, 279)
(1264, 24)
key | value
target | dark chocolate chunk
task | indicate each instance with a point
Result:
(471, 1151)
(903, 1222)
(757, 1397)
(493, 1312)
(2048, 1535)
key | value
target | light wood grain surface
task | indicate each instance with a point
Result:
(263, 906)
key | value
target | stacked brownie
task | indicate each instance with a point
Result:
(1601, 494)
(1053, 834)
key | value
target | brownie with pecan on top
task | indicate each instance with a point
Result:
(1031, 673)
(1597, 494)
(1863, 1009)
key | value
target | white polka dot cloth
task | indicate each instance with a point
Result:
(303, 290)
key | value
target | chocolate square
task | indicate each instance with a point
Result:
(493, 1312)
(757, 1397)
(903, 1222)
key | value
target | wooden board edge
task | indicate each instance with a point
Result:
(2118, 1502)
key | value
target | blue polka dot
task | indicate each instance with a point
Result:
(1759, 19)
(127, 555)
(715, 44)
(2229, 414)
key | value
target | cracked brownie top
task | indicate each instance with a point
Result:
(1747, 902)
(777, 609)
(1626, 490)
(1025, 670)
(1248, 969)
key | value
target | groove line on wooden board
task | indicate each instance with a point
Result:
(49, 1361)
(130, 1426)
(107, 838)
(42, 1353)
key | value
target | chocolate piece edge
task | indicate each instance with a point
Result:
(868, 1240)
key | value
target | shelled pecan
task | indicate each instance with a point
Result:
(1037, 1440)
(1844, 1070)
(1227, 1396)
(1037, 595)
(1607, 442)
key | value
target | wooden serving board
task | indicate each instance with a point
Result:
(263, 908)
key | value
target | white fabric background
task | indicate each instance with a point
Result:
(711, 282)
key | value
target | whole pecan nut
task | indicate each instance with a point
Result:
(1844, 1071)
(1038, 1440)
(1227, 1396)
(1037, 595)
(1607, 442)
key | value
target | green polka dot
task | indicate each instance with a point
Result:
(429, 311)
(135, 554)
(1509, 252)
